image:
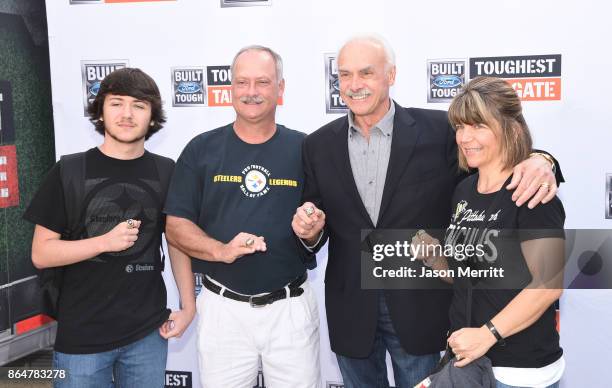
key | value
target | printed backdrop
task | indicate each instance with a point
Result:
(550, 51)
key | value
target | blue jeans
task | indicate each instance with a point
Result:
(371, 372)
(139, 364)
(502, 385)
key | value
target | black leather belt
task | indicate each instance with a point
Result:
(259, 300)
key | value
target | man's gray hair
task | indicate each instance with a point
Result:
(375, 39)
(278, 61)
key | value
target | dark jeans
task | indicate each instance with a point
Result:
(371, 372)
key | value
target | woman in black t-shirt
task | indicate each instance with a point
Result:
(504, 294)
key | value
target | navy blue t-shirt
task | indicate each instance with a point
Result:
(227, 186)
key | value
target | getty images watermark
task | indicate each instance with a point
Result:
(489, 258)
(434, 257)
(431, 254)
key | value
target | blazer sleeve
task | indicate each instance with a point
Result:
(311, 194)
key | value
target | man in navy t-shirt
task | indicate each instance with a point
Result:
(230, 206)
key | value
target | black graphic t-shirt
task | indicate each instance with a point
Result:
(115, 298)
(496, 226)
(227, 186)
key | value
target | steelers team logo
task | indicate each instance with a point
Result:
(255, 181)
(111, 201)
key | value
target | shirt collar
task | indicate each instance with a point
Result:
(385, 125)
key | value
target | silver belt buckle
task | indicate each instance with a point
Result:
(253, 304)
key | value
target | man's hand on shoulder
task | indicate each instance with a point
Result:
(534, 181)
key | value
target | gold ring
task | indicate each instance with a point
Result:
(544, 184)
(130, 223)
(249, 241)
(459, 357)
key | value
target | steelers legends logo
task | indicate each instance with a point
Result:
(255, 181)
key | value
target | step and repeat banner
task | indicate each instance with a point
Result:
(551, 52)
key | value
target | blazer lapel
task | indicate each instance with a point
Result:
(345, 172)
(405, 137)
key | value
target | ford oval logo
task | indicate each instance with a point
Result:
(188, 87)
(336, 84)
(94, 88)
(447, 81)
